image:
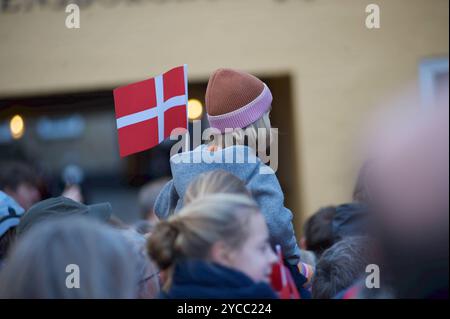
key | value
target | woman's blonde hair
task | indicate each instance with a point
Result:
(214, 182)
(244, 136)
(192, 232)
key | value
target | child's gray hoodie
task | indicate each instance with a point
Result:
(259, 178)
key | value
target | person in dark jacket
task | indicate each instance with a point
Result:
(217, 246)
(197, 279)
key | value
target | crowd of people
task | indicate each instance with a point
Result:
(217, 230)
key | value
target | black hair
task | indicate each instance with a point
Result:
(342, 265)
(318, 230)
(12, 174)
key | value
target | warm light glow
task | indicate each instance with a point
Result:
(195, 109)
(17, 126)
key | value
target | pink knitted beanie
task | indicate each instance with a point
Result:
(235, 99)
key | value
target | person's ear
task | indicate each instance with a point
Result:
(220, 253)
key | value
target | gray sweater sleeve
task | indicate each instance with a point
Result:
(267, 192)
(166, 201)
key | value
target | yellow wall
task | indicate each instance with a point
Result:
(340, 69)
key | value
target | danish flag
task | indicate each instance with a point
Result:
(281, 279)
(148, 111)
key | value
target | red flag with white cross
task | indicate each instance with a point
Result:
(148, 111)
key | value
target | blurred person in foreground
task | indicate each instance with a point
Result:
(62, 208)
(408, 192)
(45, 262)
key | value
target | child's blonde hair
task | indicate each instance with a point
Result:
(246, 136)
(214, 182)
(193, 231)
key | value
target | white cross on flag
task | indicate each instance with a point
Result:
(148, 111)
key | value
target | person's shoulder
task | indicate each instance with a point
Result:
(187, 155)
